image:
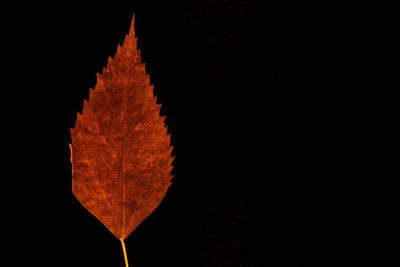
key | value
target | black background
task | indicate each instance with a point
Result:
(244, 89)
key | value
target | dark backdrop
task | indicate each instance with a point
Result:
(242, 85)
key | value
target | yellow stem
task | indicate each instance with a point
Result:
(124, 249)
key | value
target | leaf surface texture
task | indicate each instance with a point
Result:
(120, 151)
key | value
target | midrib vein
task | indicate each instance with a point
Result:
(124, 100)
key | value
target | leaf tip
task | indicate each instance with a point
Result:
(132, 27)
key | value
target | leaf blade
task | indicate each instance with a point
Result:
(120, 151)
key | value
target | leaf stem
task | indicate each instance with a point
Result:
(124, 250)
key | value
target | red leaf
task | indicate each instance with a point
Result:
(120, 149)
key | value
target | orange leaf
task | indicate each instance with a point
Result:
(120, 150)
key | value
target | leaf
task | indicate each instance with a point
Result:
(120, 149)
